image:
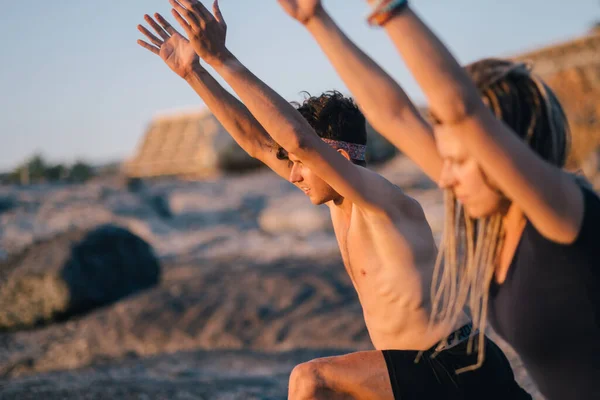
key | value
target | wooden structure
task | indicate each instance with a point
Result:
(186, 144)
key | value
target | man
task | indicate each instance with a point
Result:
(386, 245)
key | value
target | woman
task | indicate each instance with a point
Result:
(521, 236)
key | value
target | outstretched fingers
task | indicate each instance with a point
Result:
(181, 21)
(218, 14)
(198, 7)
(166, 25)
(148, 46)
(192, 20)
(157, 28)
(156, 41)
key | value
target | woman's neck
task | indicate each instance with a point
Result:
(513, 222)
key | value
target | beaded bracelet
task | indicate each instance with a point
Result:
(385, 10)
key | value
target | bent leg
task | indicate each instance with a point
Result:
(361, 375)
(377, 375)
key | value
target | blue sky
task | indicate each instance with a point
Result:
(76, 85)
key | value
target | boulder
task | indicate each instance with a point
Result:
(73, 273)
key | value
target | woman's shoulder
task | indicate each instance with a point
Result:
(589, 229)
(591, 209)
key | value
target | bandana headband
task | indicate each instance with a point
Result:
(356, 151)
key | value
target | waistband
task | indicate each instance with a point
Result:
(457, 337)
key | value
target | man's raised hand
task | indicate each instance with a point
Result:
(175, 50)
(207, 32)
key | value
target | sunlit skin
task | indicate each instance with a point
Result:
(390, 272)
(461, 174)
(317, 190)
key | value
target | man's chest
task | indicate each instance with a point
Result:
(353, 238)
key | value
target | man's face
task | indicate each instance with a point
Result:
(313, 186)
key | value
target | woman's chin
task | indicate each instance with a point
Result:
(480, 210)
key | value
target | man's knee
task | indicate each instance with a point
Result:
(306, 381)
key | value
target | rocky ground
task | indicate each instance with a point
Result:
(251, 285)
(208, 331)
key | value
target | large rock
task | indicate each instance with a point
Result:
(289, 304)
(73, 273)
(218, 319)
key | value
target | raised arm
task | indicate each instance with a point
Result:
(180, 56)
(283, 122)
(550, 199)
(383, 102)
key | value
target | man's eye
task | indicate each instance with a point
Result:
(290, 164)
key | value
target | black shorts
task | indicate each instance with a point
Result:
(436, 378)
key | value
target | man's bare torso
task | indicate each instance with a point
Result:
(390, 258)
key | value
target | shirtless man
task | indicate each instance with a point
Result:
(386, 244)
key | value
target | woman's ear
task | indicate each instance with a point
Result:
(344, 153)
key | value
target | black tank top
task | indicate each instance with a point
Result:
(548, 308)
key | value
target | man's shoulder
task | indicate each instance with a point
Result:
(394, 200)
(406, 205)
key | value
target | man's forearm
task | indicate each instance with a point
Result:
(450, 92)
(278, 117)
(231, 113)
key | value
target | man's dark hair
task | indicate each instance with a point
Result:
(335, 117)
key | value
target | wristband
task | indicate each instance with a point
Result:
(385, 10)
